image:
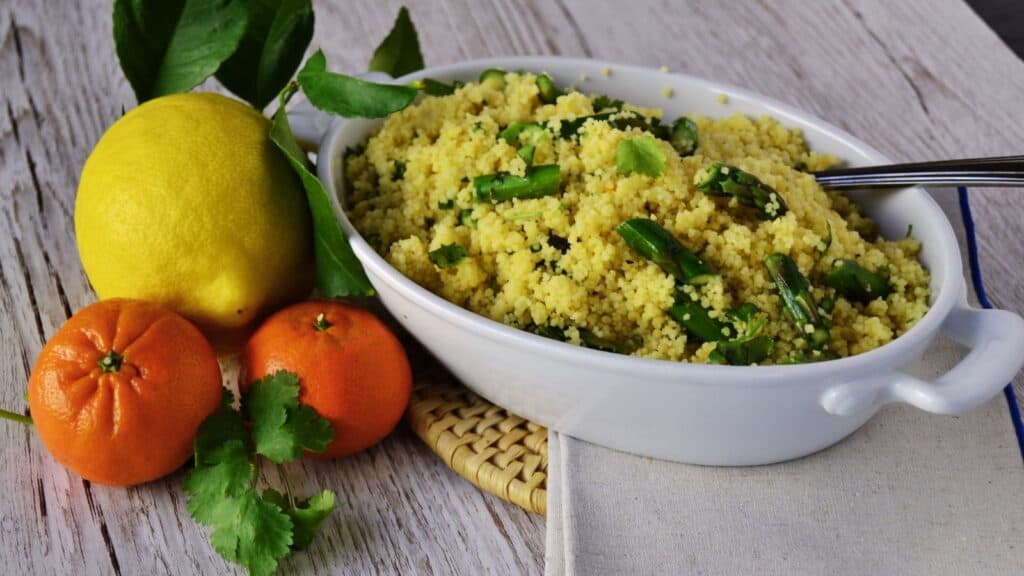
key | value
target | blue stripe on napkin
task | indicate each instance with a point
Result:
(979, 289)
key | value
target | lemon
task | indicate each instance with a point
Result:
(186, 202)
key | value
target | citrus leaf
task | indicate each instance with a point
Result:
(170, 46)
(271, 50)
(338, 271)
(350, 97)
(399, 54)
(640, 155)
(281, 427)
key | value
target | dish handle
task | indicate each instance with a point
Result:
(309, 124)
(996, 340)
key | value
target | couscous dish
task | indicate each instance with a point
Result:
(595, 222)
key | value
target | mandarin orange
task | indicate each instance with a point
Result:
(119, 391)
(353, 371)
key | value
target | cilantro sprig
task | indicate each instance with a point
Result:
(251, 528)
(640, 155)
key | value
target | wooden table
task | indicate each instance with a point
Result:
(919, 79)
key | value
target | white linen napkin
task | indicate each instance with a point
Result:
(909, 493)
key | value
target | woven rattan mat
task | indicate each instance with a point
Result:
(494, 449)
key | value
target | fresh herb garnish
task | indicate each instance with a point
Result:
(856, 283)
(602, 102)
(447, 256)
(640, 155)
(252, 529)
(399, 172)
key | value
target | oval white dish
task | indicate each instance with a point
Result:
(701, 414)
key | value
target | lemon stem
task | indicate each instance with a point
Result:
(321, 323)
(111, 362)
(15, 417)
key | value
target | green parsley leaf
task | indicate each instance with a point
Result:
(253, 532)
(170, 46)
(270, 51)
(307, 515)
(641, 155)
(447, 256)
(350, 97)
(399, 54)
(338, 271)
(281, 427)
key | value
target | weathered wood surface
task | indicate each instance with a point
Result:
(919, 79)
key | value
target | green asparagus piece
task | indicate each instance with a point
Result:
(853, 282)
(749, 346)
(494, 75)
(796, 294)
(548, 91)
(538, 182)
(684, 136)
(695, 319)
(526, 153)
(722, 180)
(529, 134)
(659, 246)
(511, 132)
(447, 256)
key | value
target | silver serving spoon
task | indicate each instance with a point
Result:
(1000, 171)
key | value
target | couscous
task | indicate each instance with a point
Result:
(592, 221)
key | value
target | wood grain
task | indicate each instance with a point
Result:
(919, 79)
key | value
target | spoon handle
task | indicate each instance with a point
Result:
(999, 171)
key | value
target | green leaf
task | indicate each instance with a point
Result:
(350, 97)
(210, 486)
(447, 256)
(399, 53)
(306, 516)
(253, 532)
(271, 50)
(223, 467)
(281, 427)
(170, 46)
(641, 155)
(338, 271)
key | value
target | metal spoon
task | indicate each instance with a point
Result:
(1000, 171)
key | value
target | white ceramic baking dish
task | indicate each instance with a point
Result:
(720, 415)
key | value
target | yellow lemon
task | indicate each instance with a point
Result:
(186, 202)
